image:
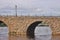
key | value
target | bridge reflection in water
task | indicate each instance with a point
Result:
(44, 37)
(4, 36)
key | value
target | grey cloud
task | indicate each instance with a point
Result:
(30, 7)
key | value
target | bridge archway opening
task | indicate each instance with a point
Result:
(3, 28)
(39, 28)
(31, 28)
(43, 29)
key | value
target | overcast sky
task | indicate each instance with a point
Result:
(30, 7)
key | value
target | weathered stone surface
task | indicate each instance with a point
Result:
(19, 25)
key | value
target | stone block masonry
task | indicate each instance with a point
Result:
(20, 24)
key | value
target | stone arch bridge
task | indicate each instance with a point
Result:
(21, 24)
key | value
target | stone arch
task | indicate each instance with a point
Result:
(4, 25)
(31, 28)
(5, 22)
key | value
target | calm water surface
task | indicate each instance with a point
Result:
(4, 36)
(24, 37)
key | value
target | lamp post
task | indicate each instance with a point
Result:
(16, 10)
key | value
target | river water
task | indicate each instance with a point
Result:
(14, 37)
(5, 36)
